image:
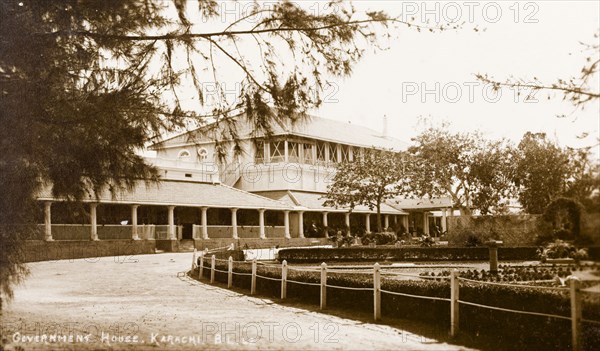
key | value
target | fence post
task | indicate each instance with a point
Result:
(212, 269)
(376, 292)
(575, 313)
(323, 285)
(194, 259)
(201, 267)
(454, 303)
(230, 272)
(253, 281)
(284, 269)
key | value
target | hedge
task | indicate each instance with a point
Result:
(366, 254)
(522, 331)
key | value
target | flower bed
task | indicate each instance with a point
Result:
(548, 275)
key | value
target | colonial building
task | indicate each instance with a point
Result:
(260, 190)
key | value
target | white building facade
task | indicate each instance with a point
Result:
(261, 190)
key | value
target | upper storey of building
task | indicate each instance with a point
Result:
(296, 155)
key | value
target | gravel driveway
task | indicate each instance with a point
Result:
(146, 302)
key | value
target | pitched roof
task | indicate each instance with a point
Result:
(310, 127)
(313, 201)
(345, 133)
(185, 193)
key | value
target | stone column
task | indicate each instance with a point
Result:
(405, 222)
(134, 223)
(386, 221)
(171, 230)
(368, 222)
(325, 224)
(425, 222)
(47, 221)
(234, 229)
(261, 223)
(301, 224)
(347, 222)
(286, 224)
(93, 222)
(444, 226)
(204, 222)
(493, 247)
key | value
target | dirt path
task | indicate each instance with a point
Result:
(142, 303)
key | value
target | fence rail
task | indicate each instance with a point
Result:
(454, 300)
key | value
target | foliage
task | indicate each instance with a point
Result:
(406, 253)
(542, 170)
(342, 239)
(426, 241)
(473, 241)
(523, 331)
(578, 90)
(562, 249)
(379, 238)
(515, 274)
(584, 182)
(475, 173)
(87, 84)
(370, 180)
(565, 217)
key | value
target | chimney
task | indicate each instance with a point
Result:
(385, 127)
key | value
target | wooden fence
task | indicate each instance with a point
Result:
(454, 300)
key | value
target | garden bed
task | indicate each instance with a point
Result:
(524, 331)
(379, 254)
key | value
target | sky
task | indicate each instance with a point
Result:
(432, 74)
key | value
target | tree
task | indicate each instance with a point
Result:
(475, 173)
(583, 184)
(578, 90)
(369, 180)
(542, 172)
(86, 84)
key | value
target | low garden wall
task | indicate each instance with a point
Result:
(39, 250)
(513, 230)
(380, 254)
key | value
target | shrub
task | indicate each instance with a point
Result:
(404, 254)
(379, 238)
(426, 241)
(570, 228)
(473, 241)
(523, 331)
(562, 249)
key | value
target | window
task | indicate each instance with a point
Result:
(345, 153)
(259, 153)
(183, 155)
(277, 149)
(308, 156)
(202, 154)
(321, 156)
(333, 155)
(293, 152)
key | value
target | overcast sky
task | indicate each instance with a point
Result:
(541, 39)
